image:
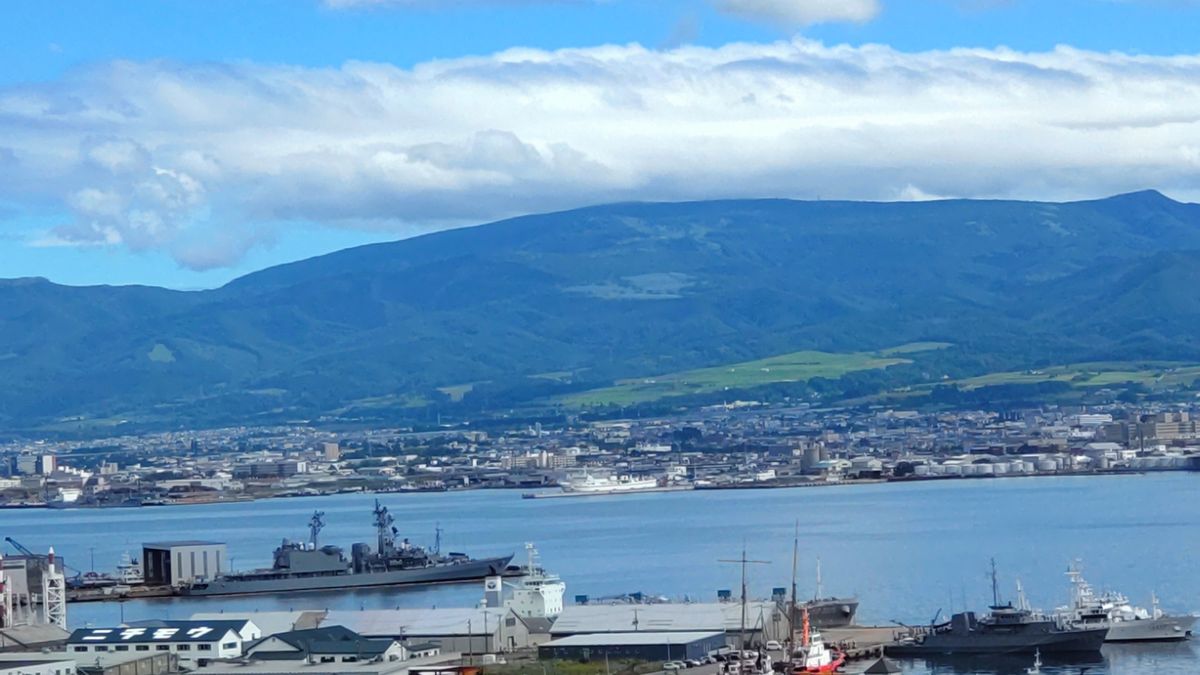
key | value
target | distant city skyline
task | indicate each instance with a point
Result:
(183, 144)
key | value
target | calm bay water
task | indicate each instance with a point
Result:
(907, 551)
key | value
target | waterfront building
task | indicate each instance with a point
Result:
(332, 644)
(36, 663)
(643, 646)
(193, 642)
(764, 620)
(465, 630)
(177, 563)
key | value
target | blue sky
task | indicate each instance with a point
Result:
(185, 143)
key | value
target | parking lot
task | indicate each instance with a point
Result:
(720, 668)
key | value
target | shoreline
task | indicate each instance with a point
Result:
(775, 485)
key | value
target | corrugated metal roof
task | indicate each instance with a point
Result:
(639, 638)
(31, 636)
(181, 542)
(418, 622)
(269, 623)
(722, 616)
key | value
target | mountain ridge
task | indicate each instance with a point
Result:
(605, 292)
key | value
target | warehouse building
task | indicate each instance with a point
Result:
(764, 620)
(36, 663)
(178, 563)
(650, 646)
(62, 663)
(466, 630)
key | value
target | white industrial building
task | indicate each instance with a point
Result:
(193, 642)
(466, 630)
(764, 620)
(178, 563)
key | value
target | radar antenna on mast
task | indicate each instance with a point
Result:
(315, 525)
(383, 527)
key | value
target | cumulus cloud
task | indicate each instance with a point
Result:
(794, 13)
(787, 13)
(207, 161)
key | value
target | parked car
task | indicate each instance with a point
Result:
(673, 665)
(774, 646)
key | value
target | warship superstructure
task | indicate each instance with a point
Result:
(308, 566)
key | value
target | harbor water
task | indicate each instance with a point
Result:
(908, 551)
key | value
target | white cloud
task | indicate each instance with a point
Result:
(205, 161)
(786, 13)
(794, 13)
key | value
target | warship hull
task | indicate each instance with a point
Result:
(1162, 629)
(831, 612)
(1065, 642)
(473, 570)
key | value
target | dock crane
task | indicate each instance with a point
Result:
(39, 556)
(53, 596)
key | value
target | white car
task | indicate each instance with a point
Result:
(673, 665)
(774, 646)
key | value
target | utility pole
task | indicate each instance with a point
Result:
(743, 561)
(792, 605)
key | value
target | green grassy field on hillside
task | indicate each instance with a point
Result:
(1152, 374)
(794, 367)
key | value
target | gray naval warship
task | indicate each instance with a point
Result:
(1125, 621)
(826, 612)
(306, 566)
(1005, 630)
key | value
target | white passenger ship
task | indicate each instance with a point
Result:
(587, 483)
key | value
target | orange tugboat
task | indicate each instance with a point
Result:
(813, 656)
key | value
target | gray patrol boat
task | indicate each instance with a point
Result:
(1005, 630)
(306, 566)
(1125, 622)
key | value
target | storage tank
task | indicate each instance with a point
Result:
(984, 469)
(953, 469)
(811, 456)
(1000, 468)
(921, 470)
(1047, 465)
